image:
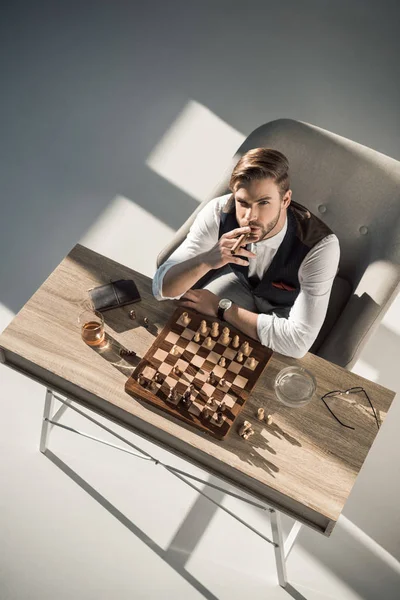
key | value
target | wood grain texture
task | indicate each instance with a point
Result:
(304, 463)
(240, 395)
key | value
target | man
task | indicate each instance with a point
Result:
(275, 289)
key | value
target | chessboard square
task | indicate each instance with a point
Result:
(181, 387)
(202, 376)
(172, 337)
(192, 347)
(182, 364)
(196, 409)
(240, 381)
(181, 342)
(229, 376)
(170, 401)
(208, 366)
(210, 347)
(187, 356)
(165, 369)
(187, 377)
(188, 334)
(219, 394)
(149, 372)
(219, 371)
(229, 401)
(229, 353)
(208, 389)
(213, 357)
(160, 355)
(247, 364)
(235, 367)
(198, 360)
(219, 349)
(170, 381)
(203, 352)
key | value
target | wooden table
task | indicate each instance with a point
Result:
(304, 463)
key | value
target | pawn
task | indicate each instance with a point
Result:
(146, 322)
(235, 341)
(260, 414)
(222, 361)
(248, 433)
(158, 377)
(225, 335)
(269, 420)
(222, 382)
(153, 386)
(246, 348)
(215, 329)
(239, 357)
(141, 380)
(132, 314)
(196, 337)
(203, 327)
(174, 350)
(208, 342)
(185, 319)
(246, 425)
(252, 362)
(176, 370)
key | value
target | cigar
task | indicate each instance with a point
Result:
(241, 241)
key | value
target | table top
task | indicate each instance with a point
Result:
(304, 463)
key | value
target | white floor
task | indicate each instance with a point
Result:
(94, 523)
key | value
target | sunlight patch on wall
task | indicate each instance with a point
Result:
(127, 233)
(196, 151)
(364, 369)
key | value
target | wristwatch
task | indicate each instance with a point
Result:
(223, 305)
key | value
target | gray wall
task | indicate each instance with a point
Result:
(89, 88)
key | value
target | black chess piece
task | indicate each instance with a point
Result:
(146, 322)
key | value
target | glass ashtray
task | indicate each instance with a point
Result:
(294, 386)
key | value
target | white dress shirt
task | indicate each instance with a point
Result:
(292, 336)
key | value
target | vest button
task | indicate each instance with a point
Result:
(363, 230)
(322, 208)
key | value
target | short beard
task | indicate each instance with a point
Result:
(266, 230)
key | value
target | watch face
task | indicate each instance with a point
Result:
(225, 303)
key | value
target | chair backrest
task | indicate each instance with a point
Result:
(356, 192)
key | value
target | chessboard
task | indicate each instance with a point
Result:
(199, 371)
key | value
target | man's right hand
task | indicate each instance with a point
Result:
(221, 253)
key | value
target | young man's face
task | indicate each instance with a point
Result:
(260, 206)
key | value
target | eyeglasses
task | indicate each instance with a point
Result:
(353, 390)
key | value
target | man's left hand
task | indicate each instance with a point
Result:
(204, 301)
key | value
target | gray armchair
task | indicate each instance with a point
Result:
(355, 190)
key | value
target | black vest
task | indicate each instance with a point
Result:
(280, 284)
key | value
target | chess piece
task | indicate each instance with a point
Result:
(176, 370)
(222, 361)
(146, 322)
(239, 357)
(222, 406)
(260, 414)
(196, 337)
(158, 377)
(252, 362)
(246, 425)
(186, 398)
(185, 319)
(222, 382)
(235, 341)
(132, 314)
(269, 420)
(211, 378)
(173, 394)
(220, 418)
(153, 386)
(174, 350)
(124, 353)
(248, 433)
(141, 380)
(206, 412)
(212, 403)
(208, 342)
(225, 335)
(246, 348)
(215, 329)
(203, 327)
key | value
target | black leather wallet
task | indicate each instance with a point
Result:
(114, 294)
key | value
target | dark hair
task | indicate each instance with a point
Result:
(262, 163)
